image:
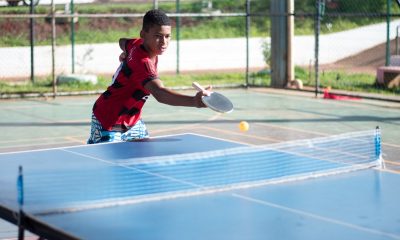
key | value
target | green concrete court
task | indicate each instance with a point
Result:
(274, 116)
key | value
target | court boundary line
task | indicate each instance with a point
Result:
(87, 145)
(92, 145)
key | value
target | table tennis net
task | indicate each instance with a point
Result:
(131, 181)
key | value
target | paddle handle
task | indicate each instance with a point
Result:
(197, 86)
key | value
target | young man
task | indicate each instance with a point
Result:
(117, 112)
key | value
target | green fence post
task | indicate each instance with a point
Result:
(32, 41)
(178, 20)
(247, 40)
(72, 37)
(317, 33)
(389, 4)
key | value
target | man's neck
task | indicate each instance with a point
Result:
(151, 56)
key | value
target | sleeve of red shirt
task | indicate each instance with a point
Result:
(149, 71)
(129, 44)
(142, 66)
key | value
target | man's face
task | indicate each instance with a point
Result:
(156, 39)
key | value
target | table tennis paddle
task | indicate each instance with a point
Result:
(215, 101)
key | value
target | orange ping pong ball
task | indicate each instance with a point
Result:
(244, 126)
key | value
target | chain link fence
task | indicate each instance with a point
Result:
(355, 39)
(336, 43)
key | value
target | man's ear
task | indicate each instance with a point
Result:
(142, 33)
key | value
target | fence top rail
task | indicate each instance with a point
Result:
(118, 15)
(211, 14)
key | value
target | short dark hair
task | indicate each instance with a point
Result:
(155, 17)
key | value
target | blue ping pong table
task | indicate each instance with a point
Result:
(356, 205)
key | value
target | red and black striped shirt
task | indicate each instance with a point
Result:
(121, 104)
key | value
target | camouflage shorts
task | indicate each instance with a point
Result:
(98, 134)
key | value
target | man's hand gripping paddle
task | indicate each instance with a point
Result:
(215, 101)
